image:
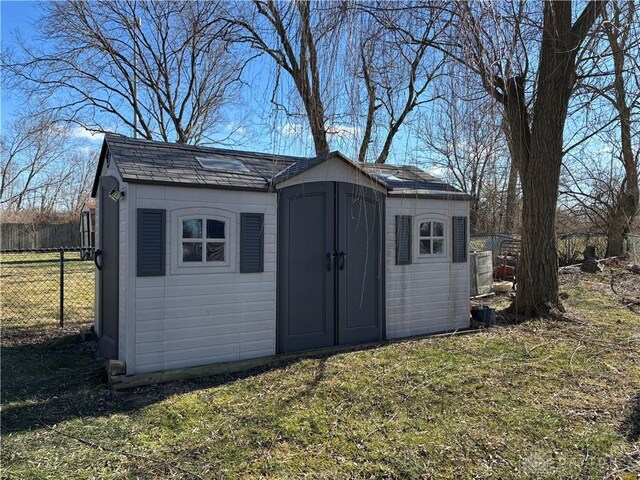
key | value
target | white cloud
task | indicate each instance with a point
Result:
(84, 134)
(343, 131)
(235, 128)
(439, 172)
(292, 129)
(605, 150)
(86, 151)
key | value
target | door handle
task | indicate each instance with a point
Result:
(343, 259)
(330, 258)
(97, 254)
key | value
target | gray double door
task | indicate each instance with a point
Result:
(330, 266)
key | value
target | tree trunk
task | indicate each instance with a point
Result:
(625, 208)
(511, 210)
(616, 229)
(474, 214)
(540, 173)
(536, 143)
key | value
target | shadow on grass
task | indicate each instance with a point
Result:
(64, 379)
(631, 425)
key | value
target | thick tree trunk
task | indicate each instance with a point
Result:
(536, 143)
(617, 228)
(540, 172)
(511, 211)
(517, 129)
(315, 113)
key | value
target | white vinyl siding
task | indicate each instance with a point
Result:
(196, 316)
(432, 293)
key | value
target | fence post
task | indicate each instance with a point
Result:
(62, 287)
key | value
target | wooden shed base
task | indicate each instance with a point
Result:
(118, 381)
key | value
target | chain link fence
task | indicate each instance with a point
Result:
(570, 246)
(44, 294)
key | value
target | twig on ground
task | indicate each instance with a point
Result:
(119, 452)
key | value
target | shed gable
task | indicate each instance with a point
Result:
(333, 169)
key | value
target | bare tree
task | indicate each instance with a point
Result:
(292, 33)
(591, 181)
(75, 192)
(387, 48)
(29, 147)
(399, 62)
(536, 135)
(44, 169)
(622, 34)
(161, 69)
(601, 175)
(468, 148)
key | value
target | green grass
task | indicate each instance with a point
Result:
(540, 399)
(30, 295)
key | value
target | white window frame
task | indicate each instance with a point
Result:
(178, 266)
(419, 256)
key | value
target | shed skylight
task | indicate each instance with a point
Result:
(221, 164)
(389, 177)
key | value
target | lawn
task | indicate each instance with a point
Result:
(30, 295)
(541, 399)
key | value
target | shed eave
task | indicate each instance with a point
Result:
(433, 195)
(167, 183)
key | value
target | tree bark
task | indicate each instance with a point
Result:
(518, 130)
(540, 172)
(625, 207)
(511, 210)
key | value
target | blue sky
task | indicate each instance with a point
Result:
(253, 108)
(14, 15)
(263, 129)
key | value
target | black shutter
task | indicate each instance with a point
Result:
(151, 242)
(459, 240)
(403, 239)
(251, 242)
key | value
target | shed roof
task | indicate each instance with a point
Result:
(160, 163)
(410, 181)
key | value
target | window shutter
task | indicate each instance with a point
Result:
(151, 242)
(251, 242)
(403, 239)
(459, 240)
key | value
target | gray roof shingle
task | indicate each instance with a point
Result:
(410, 181)
(145, 161)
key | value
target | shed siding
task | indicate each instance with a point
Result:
(193, 317)
(430, 294)
(333, 170)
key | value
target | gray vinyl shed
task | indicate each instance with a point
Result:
(208, 255)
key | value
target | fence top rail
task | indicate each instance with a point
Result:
(45, 250)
